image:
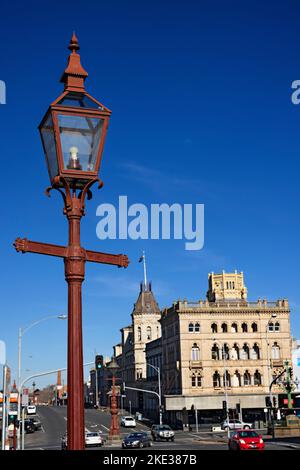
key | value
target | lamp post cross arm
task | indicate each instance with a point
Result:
(106, 258)
(28, 246)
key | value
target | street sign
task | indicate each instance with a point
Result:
(2, 352)
(25, 397)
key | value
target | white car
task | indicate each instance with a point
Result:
(235, 424)
(93, 439)
(128, 422)
(31, 410)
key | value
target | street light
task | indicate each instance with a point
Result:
(73, 132)
(22, 331)
(114, 432)
(159, 390)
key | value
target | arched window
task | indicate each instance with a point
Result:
(149, 333)
(257, 378)
(245, 353)
(226, 379)
(236, 379)
(270, 326)
(247, 378)
(139, 333)
(277, 326)
(216, 379)
(196, 380)
(225, 351)
(197, 328)
(254, 327)
(275, 351)
(244, 327)
(215, 352)
(191, 327)
(224, 328)
(195, 353)
(235, 353)
(214, 328)
(234, 328)
(256, 351)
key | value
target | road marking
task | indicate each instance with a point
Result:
(107, 429)
(42, 428)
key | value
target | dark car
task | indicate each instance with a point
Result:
(137, 439)
(28, 427)
(35, 422)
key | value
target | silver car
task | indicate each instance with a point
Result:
(235, 424)
(162, 431)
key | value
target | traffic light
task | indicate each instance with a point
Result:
(268, 402)
(238, 408)
(12, 419)
(224, 405)
(99, 362)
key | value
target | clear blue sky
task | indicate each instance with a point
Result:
(200, 94)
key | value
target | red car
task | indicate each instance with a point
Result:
(245, 439)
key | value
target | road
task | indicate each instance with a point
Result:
(54, 425)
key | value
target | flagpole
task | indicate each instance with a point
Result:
(145, 270)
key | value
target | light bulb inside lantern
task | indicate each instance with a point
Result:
(74, 153)
(74, 163)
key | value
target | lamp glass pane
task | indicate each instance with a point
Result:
(79, 100)
(48, 139)
(80, 139)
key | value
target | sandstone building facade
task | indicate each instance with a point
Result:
(204, 350)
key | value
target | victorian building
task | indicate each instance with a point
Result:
(223, 344)
(205, 350)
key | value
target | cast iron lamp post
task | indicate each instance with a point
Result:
(73, 133)
(114, 432)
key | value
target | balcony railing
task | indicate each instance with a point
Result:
(277, 362)
(183, 305)
(195, 364)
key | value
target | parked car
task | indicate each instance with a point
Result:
(245, 440)
(28, 427)
(137, 439)
(235, 424)
(31, 410)
(93, 439)
(35, 422)
(128, 422)
(162, 431)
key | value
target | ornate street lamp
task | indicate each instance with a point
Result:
(73, 133)
(73, 130)
(114, 432)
